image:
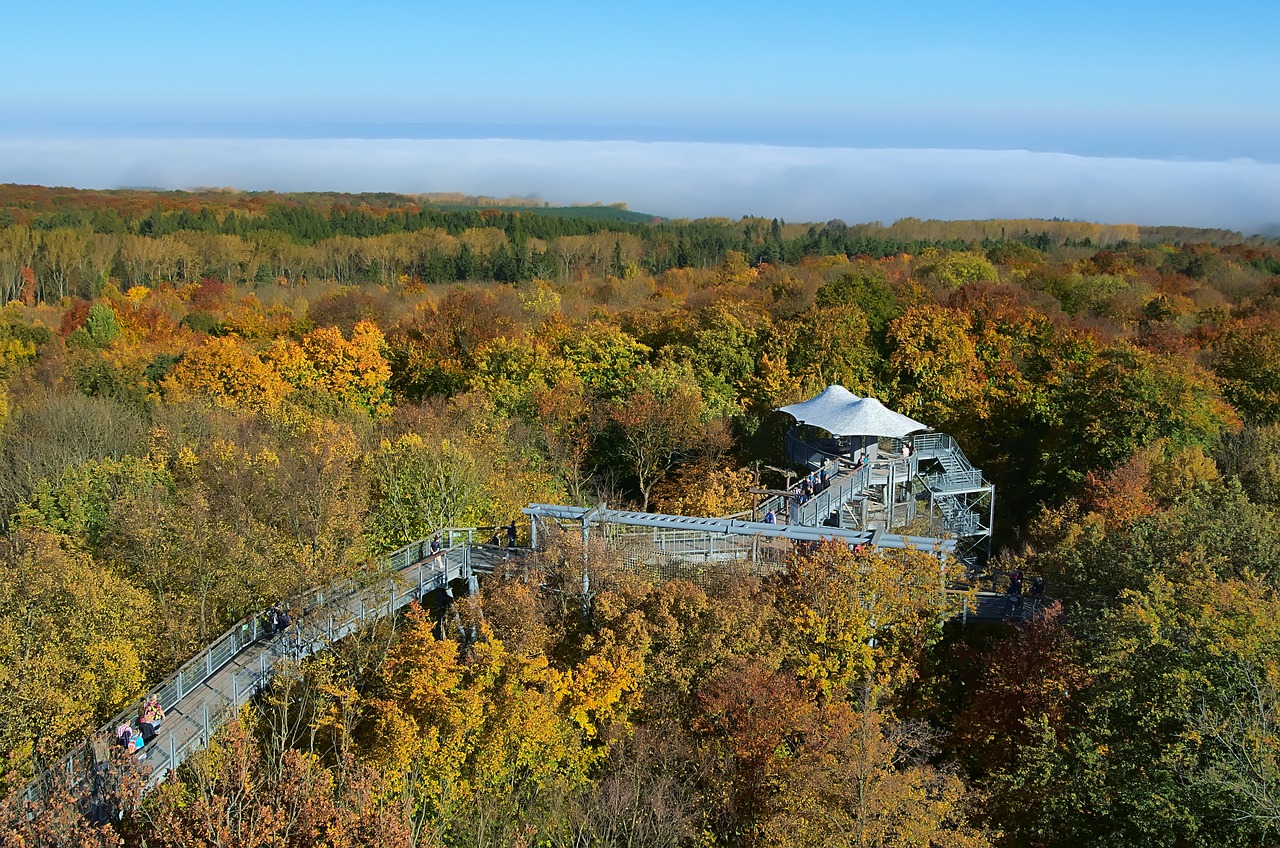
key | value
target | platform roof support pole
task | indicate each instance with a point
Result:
(991, 518)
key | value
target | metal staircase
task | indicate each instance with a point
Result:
(960, 499)
(936, 475)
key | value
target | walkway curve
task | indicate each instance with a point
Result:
(208, 690)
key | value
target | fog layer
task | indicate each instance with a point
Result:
(684, 179)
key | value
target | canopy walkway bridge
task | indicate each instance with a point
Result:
(208, 690)
(701, 549)
(864, 502)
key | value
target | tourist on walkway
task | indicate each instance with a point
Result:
(435, 544)
(271, 621)
(511, 535)
(124, 736)
(1015, 590)
(770, 517)
(150, 717)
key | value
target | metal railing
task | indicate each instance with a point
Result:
(833, 498)
(407, 566)
(953, 480)
(939, 446)
(816, 457)
(702, 545)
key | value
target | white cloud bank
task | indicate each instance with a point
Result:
(685, 179)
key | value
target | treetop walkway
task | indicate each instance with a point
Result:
(207, 690)
(866, 498)
(693, 547)
(709, 529)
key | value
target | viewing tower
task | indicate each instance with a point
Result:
(884, 471)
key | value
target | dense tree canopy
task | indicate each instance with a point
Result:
(212, 401)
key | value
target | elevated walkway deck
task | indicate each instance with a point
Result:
(208, 690)
(997, 607)
(728, 528)
(649, 543)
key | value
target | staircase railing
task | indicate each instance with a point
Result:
(833, 498)
(955, 480)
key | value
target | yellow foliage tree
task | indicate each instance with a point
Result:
(862, 781)
(859, 620)
(227, 372)
(73, 643)
(934, 365)
(351, 374)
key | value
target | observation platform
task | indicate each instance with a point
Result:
(887, 471)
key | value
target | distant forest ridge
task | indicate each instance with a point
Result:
(311, 216)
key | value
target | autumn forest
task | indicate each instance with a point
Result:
(215, 400)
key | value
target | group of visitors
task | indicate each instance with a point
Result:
(798, 495)
(1014, 591)
(149, 719)
(814, 483)
(496, 538)
(277, 620)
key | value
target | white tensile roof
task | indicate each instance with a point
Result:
(842, 413)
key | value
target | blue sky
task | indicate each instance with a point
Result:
(1140, 80)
